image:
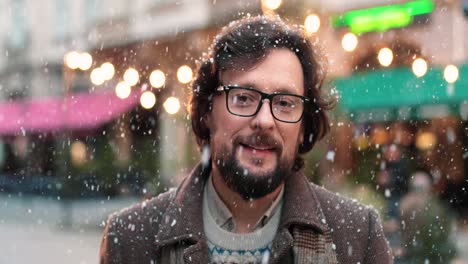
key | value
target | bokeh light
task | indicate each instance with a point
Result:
(123, 90)
(157, 79)
(78, 152)
(419, 67)
(147, 100)
(184, 74)
(451, 73)
(312, 23)
(271, 4)
(108, 70)
(131, 76)
(385, 57)
(72, 60)
(85, 61)
(97, 76)
(172, 105)
(349, 42)
(426, 140)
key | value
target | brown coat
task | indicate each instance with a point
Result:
(169, 228)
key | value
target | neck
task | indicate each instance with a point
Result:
(245, 213)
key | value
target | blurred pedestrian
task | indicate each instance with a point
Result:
(256, 108)
(425, 223)
(397, 170)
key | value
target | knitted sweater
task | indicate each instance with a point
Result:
(228, 247)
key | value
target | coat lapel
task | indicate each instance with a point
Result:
(301, 206)
(282, 244)
(197, 253)
(303, 226)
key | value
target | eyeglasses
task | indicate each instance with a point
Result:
(246, 101)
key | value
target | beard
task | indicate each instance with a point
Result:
(248, 183)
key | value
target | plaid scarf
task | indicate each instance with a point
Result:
(311, 247)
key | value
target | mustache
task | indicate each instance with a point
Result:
(260, 139)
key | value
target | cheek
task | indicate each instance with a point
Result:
(292, 138)
(222, 133)
(224, 126)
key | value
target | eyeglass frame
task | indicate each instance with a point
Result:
(263, 96)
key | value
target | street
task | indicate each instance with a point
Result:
(32, 229)
(39, 243)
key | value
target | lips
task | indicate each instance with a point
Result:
(258, 147)
(258, 151)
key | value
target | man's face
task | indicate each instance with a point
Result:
(255, 154)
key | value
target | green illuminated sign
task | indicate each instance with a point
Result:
(382, 18)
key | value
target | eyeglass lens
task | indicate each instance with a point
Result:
(245, 102)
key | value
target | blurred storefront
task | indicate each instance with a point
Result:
(425, 118)
(401, 111)
(404, 107)
(142, 61)
(124, 79)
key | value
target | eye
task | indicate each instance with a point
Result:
(285, 101)
(243, 98)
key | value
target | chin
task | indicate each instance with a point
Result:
(251, 176)
(265, 164)
(258, 168)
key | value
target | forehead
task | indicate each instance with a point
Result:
(279, 71)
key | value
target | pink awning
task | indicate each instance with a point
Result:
(74, 112)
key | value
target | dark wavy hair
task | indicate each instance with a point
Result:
(241, 45)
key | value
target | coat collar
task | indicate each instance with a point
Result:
(301, 205)
(183, 219)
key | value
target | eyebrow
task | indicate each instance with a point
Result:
(280, 90)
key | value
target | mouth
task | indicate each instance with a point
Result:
(258, 149)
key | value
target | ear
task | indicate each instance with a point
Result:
(301, 135)
(206, 119)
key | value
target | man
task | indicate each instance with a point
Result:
(256, 107)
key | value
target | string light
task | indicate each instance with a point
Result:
(312, 23)
(108, 70)
(419, 67)
(385, 57)
(349, 42)
(122, 90)
(271, 4)
(184, 74)
(72, 60)
(131, 76)
(97, 76)
(451, 73)
(85, 61)
(172, 105)
(157, 79)
(147, 100)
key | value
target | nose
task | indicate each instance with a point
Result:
(263, 120)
